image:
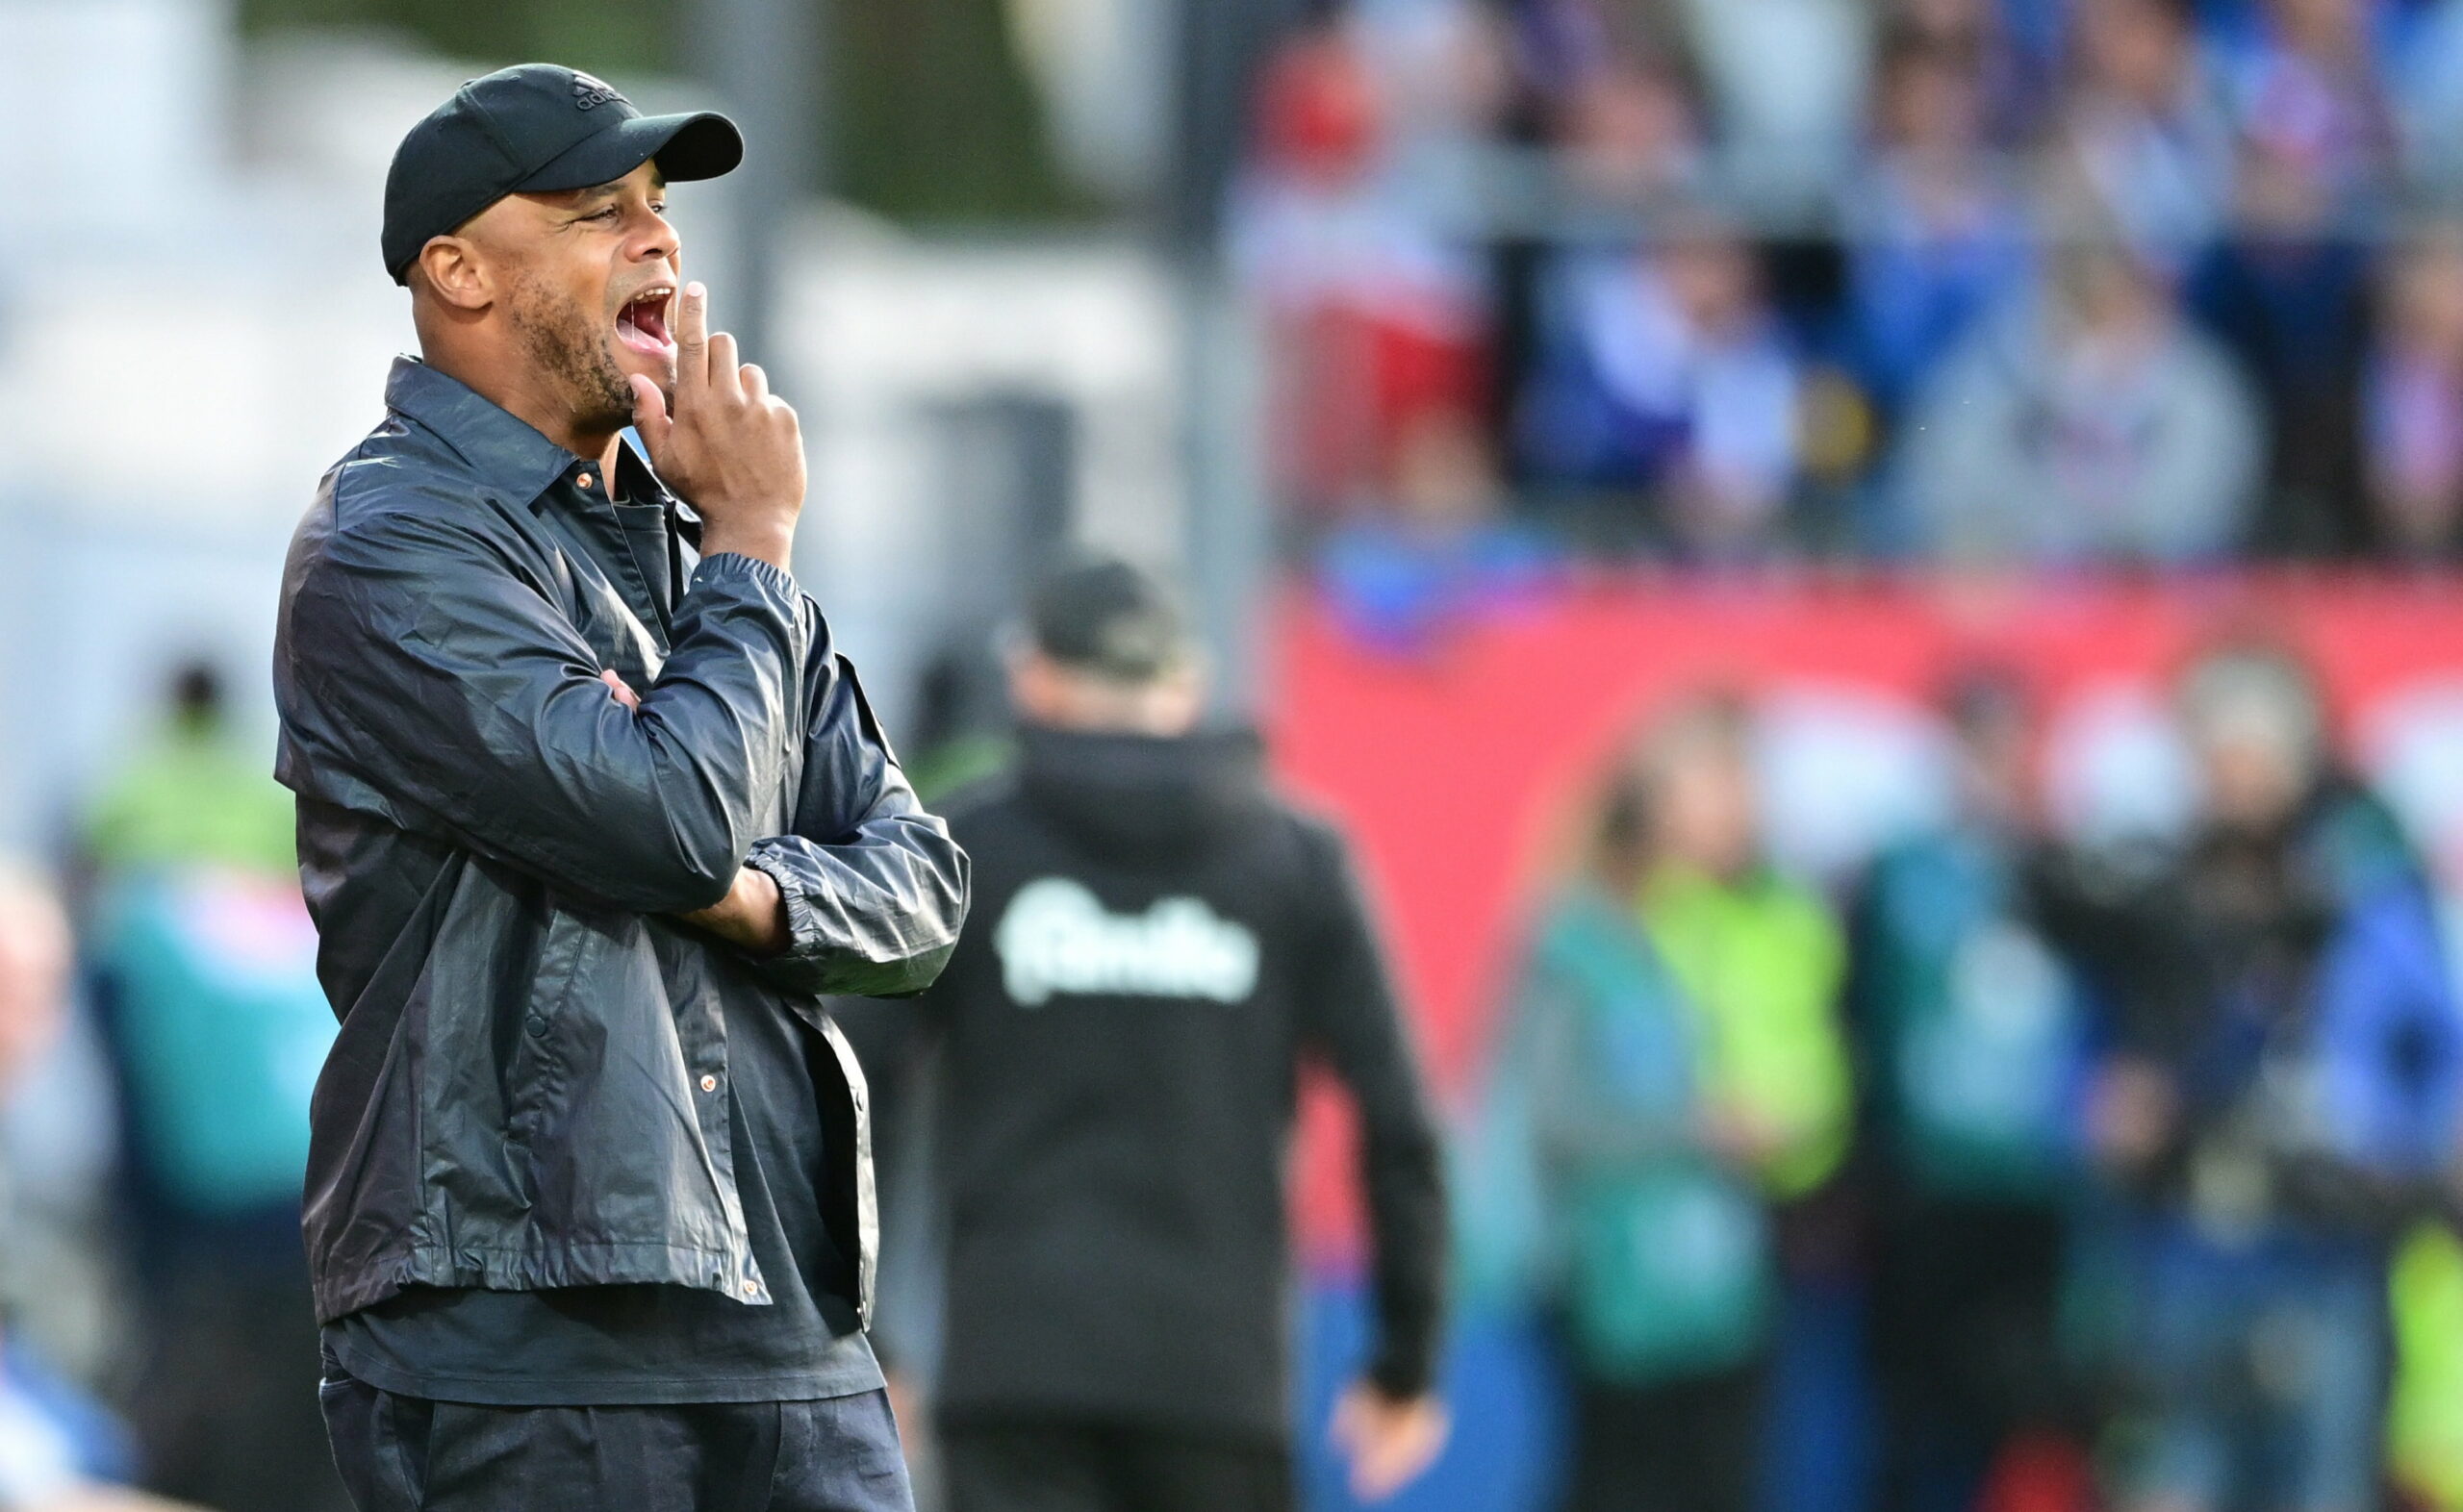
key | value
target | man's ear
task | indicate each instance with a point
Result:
(452, 272)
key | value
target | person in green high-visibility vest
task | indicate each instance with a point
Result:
(1675, 1054)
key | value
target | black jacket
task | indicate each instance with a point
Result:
(529, 1086)
(1160, 945)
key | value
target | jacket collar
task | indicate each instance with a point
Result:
(505, 452)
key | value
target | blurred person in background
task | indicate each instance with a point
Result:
(203, 961)
(2085, 421)
(1973, 1027)
(2279, 1101)
(1629, 131)
(1936, 231)
(2144, 126)
(1441, 553)
(2412, 401)
(1375, 320)
(2286, 292)
(1165, 942)
(1674, 1039)
(2306, 77)
(1668, 392)
(2013, 44)
(58, 1447)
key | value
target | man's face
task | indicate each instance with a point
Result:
(589, 277)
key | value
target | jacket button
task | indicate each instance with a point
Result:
(536, 1024)
(709, 1083)
(751, 1287)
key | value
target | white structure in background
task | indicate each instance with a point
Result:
(204, 329)
(914, 516)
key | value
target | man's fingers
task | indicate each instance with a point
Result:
(692, 338)
(756, 383)
(724, 380)
(650, 414)
(623, 690)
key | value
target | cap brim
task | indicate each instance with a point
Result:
(702, 146)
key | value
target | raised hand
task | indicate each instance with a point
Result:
(1390, 1440)
(731, 449)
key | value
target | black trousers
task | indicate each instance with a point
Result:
(1683, 1446)
(404, 1454)
(1965, 1344)
(1060, 1464)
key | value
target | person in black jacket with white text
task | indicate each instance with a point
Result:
(1161, 944)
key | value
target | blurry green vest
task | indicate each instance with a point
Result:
(1762, 963)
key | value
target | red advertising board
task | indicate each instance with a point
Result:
(1455, 765)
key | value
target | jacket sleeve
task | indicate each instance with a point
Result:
(875, 890)
(1353, 1017)
(434, 664)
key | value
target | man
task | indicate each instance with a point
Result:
(590, 811)
(1972, 1023)
(2280, 1100)
(1164, 943)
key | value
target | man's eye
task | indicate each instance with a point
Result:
(609, 213)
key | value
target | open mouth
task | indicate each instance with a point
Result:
(642, 325)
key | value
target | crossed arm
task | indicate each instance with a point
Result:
(436, 670)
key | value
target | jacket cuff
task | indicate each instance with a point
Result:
(735, 565)
(804, 939)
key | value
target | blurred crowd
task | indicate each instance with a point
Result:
(2138, 1161)
(2029, 281)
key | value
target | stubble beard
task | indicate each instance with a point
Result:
(569, 344)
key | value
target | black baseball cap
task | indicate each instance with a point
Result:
(1108, 616)
(534, 129)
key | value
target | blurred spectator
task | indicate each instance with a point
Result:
(1681, 1070)
(1373, 320)
(2145, 129)
(1935, 233)
(2013, 60)
(204, 961)
(1630, 133)
(2281, 1100)
(1441, 552)
(2085, 421)
(1973, 1029)
(2287, 295)
(2412, 402)
(55, 1445)
(1665, 380)
(2304, 84)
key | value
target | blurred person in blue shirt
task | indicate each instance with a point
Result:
(203, 963)
(2279, 1101)
(1666, 383)
(1972, 1026)
(2287, 293)
(1441, 554)
(2411, 400)
(2145, 126)
(1937, 232)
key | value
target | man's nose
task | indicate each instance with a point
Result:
(658, 240)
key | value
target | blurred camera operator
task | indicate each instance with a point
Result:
(1164, 943)
(2281, 1100)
